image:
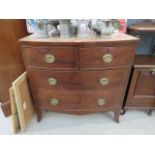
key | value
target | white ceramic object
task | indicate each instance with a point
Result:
(83, 29)
(64, 28)
(42, 31)
(107, 28)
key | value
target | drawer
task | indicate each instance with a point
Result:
(145, 82)
(142, 88)
(78, 80)
(101, 57)
(68, 101)
(142, 102)
(54, 58)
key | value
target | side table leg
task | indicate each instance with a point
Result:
(123, 111)
(116, 115)
(150, 112)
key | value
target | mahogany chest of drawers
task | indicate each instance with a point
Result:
(78, 76)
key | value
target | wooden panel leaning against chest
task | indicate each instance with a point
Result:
(79, 76)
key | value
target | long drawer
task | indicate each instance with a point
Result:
(54, 58)
(102, 57)
(85, 101)
(78, 80)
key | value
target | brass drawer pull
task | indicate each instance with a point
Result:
(52, 81)
(55, 102)
(107, 58)
(49, 58)
(104, 81)
(101, 101)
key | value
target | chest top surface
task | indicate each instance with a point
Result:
(114, 38)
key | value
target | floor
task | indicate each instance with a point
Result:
(133, 122)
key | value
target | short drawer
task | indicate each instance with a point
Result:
(54, 58)
(101, 57)
(78, 80)
(68, 101)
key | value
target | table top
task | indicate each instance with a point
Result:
(144, 61)
(142, 27)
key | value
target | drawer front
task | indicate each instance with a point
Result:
(142, 102)
(101, 57)
(62, 101)
(78, 80)
(145, 82)
(142, 89)
(54, 58)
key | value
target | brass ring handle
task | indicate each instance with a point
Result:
(101, 101)
(55, 102)
(49, 58)
(104, 81)
(107, 58)
(52, 81)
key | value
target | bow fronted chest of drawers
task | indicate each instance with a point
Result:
(78, 76)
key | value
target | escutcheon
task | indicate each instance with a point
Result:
(49, 58)
(101, 101)
(104, 81)
(52, 81)
(107, 58)
(55, 102)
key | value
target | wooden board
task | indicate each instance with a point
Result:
(23, 101)
(15, 117)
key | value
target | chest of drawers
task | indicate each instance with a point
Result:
(78, 76)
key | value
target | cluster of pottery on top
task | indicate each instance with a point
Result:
(66, 28)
